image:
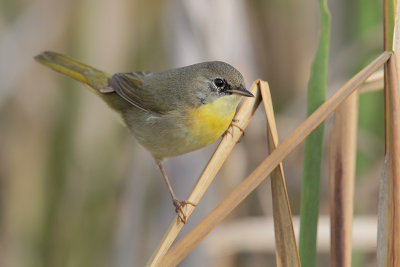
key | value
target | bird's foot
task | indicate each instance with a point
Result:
(179, 208)
(233, 124)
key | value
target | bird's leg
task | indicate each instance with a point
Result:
(178, 204)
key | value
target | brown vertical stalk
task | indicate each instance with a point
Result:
(285, 240)
(386, 100)
(388, 211)
(385, 218)
(388, 31)
(341, 177)
(394, 154)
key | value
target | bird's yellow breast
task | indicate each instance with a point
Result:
(209, 121)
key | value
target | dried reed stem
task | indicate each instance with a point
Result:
(394, 98)
(394, 154)
(190, 241)
(342, 163)
(388, 253)
(385, 222)
(286, 247)
(223, 150)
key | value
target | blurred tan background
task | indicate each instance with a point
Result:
(77, 190)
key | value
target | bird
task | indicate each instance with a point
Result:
(170, 112)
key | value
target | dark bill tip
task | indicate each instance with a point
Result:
(241, 91)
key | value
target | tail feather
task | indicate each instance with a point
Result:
(97, 80)
(79, 71)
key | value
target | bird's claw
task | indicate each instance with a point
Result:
(179, 208)
(233, 124)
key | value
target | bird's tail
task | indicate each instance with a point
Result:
(86, 74)
(97, 80)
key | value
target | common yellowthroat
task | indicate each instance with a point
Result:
(170, 113)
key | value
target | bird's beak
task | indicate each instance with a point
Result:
(241, 91)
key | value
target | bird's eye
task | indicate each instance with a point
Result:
(219, 82)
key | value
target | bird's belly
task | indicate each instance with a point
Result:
(178, 132)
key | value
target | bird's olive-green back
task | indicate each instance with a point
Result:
(164, 91)
(158, 92)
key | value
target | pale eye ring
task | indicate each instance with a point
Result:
(219, 82)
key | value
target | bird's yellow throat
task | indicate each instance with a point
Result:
(209, 121)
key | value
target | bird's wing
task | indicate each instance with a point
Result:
(129, 86)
